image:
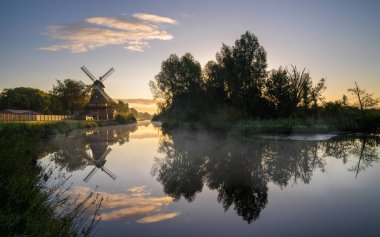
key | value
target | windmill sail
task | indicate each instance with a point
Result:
(99, 106)
(88, 73)
(105, 154)
(106, 75)
(88, 177)
(107, 171)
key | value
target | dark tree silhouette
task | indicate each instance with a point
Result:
(69, 96)
(25, 98)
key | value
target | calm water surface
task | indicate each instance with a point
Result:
(203, 184)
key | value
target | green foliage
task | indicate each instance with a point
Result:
(25, 98)
(289, 90)
(365, 100)
(179, 85)
(279, 92)
(249, 72)
(286, 126)
(141, 115)
(237, 88)
(237, 77)
(69, 96)
(28, 207)
(121, 107)
(123, 118)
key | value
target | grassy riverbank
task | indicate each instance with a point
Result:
(54, 127)
(26, 204)
(277, 126)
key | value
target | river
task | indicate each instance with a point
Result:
(184, 183)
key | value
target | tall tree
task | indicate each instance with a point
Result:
(301, 87)
(25, 98)
(279, 92)
(365, 99)
(215, 85)
(289, 89)
(70, 95)
(179, 85)
(244, 66)
(121, 107)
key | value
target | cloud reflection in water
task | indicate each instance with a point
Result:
(137, 203)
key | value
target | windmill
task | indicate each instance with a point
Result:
(98, 162)
(100, 103)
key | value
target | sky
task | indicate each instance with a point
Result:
(45, 40)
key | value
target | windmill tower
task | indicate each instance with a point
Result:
(98, 160)
(99, 146)
(100, 103)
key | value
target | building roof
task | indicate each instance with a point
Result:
(20, 111)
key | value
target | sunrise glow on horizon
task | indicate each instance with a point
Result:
(47, 40)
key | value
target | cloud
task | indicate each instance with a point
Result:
(142, 105)
(137, 203)
(97, 32)
(154, 18)
(159, 217)
(141, 101)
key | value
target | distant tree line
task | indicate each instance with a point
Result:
(67, 96)
(237, 85)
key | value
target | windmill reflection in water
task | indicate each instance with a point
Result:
(99, 149)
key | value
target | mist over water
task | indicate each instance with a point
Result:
(161, 183)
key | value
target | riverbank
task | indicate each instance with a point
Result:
(277, 126)
(28, 207)
(55, 127)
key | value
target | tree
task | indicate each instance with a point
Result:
(121, 107)
(179, 85)
(317, 91)
(250, 63)
(25, 98)
(301, 87)
(216, 91)
(279, 92)
(289, 89)
(242, 72)
(365, 99)
(69, 96)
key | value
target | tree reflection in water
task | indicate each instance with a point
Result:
(90, 147)
(241, 170)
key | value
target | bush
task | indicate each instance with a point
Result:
(125, 118)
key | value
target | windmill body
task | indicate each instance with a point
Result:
(100, 105)
(99, 145)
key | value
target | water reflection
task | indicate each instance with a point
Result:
(87, 148)
(137, 203)
(240, 170)
(362, 147)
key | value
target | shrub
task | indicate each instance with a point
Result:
(125, 118)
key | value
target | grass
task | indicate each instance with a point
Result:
(65, 126)
(282, 126)
(276, 126)
(26, 204)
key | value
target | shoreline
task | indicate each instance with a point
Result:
(248, 128)
(56, 127)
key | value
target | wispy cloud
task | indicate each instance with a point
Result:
(137, 204)
(158, 217)
(97, 32)
(141, 101)
(154, 18)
